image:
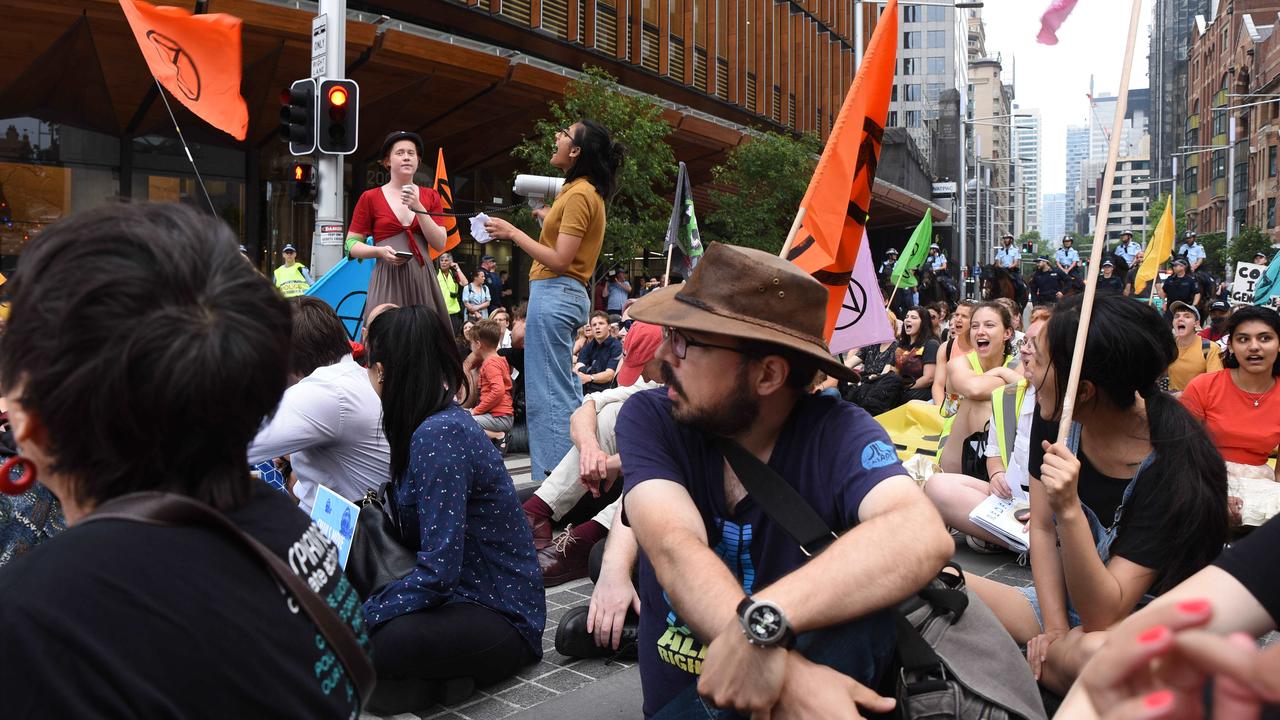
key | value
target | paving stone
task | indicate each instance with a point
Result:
(490, 708)
(536, 670)
(562, 597)
(526, 695)
(564, 680)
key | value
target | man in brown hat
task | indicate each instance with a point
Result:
(724, 589)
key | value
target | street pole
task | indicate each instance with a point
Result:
(1173, 196)
(857, 35)
(326, 245)
(1231, 176)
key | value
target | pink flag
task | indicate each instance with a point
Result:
(1053, 19)
(862, 319)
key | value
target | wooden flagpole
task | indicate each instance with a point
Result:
(666, 276)
(1100, 230)
(791, 234)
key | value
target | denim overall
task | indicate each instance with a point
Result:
(1103, 536)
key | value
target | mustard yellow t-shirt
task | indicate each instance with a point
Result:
(578, 211)
(1192, 361)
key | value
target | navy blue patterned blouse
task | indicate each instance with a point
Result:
(476, 546)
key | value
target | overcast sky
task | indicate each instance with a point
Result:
(1055, 78)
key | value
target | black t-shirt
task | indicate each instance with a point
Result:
(1252, 562)
(122, 619)
(1180, 288)
(1130, 279)
(1139, 539)
(1111, 284)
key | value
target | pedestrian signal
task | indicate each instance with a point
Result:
(302, 182)
(297, 116)
(339, 116)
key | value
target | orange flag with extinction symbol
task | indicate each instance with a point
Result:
(837, 202)
(196, 58)
(452, 237)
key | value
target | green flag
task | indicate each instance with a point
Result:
(682, 229)
(913, 254)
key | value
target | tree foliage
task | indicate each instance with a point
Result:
(1156, 210)
(638, 213)
(767, 177)
(1249, 242)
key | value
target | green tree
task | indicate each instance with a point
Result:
(1249, 242)
(1215, 250)
(765, 180)
(638, 213)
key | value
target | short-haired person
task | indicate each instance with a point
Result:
(1067, 258)
(916, 357)
(564, 258)
(329, 422)
(1179, 287)
(618, 292)
(399, 216)
(1111, 504)
(451, 281)
(1108, 280)
(973, 376)
(737, 364)
(1046, 284)
(1128, 248)
(1193, 251)
(1216, 329)
(1196, 355)
(1240, 407)
(472, 609)
(292, 277)
(493, 281)
(1130, 279)
(141, 355)
(598, 360)
(1008, 255)
(502, 316)
(493, 410)
(592, 463)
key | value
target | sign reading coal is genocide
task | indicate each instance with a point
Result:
(1242, 285)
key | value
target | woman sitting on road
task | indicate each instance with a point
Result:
(1136, 494)
(973, 376)
(472, 611)
(917, 353)
(957, 345)
(1240, 408)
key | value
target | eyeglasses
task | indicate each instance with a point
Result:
(680, 343)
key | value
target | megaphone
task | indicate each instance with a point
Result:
(537, 188)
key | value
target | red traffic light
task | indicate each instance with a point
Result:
(297, 172)
(337, 96)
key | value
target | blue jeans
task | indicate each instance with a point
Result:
(557, 308)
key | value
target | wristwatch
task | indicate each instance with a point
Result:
(764, 624)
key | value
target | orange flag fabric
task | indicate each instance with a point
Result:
(196, 58)
(837, 202)
(452, 235)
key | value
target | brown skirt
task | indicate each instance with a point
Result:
(407, 284)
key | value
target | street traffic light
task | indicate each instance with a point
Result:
(302, 182)
(298, 116)
(338, 119)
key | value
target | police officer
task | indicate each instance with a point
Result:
(886, 267)
(1068, 260)
(1192, 251)
(937, 261)
(1108, 281)
(1128, 248)
(292, 277)
(1259, 259)
(1008, 256)
(1180, 286)
(1046, 283)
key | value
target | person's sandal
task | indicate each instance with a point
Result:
(501, 443)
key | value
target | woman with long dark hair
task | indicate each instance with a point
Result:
(472, 611)
(564, 257)
(1131, 503)
(1240, 408)
(917, 353)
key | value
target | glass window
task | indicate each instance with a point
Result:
(893, 93)
(937, 39)
(1219, 164)
(932, 91)
(1271, 213)
(913, 118)
(936, 13)
(937, 66)
(910, 13)
(911, 39)
(1271, 161)
(910, 66)
(893, 118)
(911, 92)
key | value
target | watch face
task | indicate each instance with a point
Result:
(764, 623)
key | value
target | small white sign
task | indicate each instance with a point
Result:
(328, 234)
(319, 45)
(944, 188)
(1247, 275)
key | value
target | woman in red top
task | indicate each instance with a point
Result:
(1240, 408)
(398, 217)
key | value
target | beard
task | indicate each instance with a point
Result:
(727, 417)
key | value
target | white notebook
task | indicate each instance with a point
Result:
(995, 515)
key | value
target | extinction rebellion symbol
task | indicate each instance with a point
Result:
(855, 305)
(185, 72)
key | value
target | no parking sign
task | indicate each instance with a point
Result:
(1242, 286)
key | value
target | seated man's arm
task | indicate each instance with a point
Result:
(873, 565)
(309, 415)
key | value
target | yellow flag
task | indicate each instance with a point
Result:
(1157, 250)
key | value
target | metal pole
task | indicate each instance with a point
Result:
(977, 211)
(858, 43)
(964, 208)
(1231, 177)
(330, 210)
(1173, 196)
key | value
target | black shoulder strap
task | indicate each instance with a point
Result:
(777, 498)
(157, 508)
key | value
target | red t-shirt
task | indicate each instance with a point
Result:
(373, 216)
(495, 388)
(1243, 433)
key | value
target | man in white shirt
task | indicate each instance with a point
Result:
(1009, 255)
(1128, 248)
(329, 422)
(594, 460)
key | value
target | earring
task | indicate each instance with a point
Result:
(8, 485)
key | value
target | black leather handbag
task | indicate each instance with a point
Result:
(379, 553)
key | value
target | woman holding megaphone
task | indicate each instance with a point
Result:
(564, 256)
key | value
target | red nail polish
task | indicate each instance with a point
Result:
(1194, 607)
(1153, 635)
(1159, 700)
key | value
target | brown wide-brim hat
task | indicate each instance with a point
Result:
(748, 294)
